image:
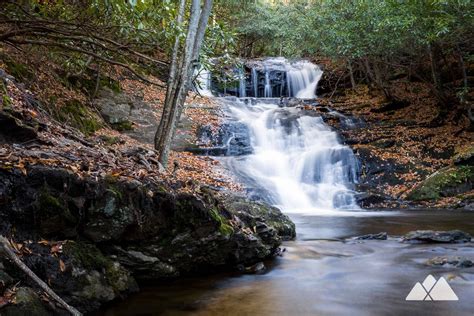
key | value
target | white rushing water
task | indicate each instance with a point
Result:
(298, 163)
(302, 78)
(297, 160)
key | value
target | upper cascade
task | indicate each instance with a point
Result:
(266, 78)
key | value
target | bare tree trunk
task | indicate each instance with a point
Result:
(351, 73)
(172, 80)
(163, 137)
(201, 31)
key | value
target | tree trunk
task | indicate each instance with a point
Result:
(172, 80)
(177, 95)
(435, 72)
(351, 73)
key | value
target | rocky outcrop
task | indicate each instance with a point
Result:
(119, 231)
(430, 236)
(457, 262)
(232, 138)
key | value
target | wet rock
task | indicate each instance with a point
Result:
(379, 236)
(371, 200)
(256, 212)
(231, 139)
(257, 268)
(144, 266)
(148, 229)
(87, 278)
(457, 262)
(27, 302)
(430, 236)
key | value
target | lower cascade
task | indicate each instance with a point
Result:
(298, 163)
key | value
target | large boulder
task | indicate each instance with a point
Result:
(430, 236)
(449, 181)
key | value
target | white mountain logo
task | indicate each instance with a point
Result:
(432, 290)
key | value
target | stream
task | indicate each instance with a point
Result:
(321, 275)
(298, 164)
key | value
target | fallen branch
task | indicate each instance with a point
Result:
(6, 248)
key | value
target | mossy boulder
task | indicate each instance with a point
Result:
(93, 277)
(255, 212)
(79, 116)
(450, 181)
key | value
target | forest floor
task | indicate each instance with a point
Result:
(80, 140)
(407, 141)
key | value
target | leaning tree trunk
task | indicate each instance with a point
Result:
(172, 80)
(164, 134)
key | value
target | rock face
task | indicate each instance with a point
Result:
(127, 230)
(430, 236)
(231, 139)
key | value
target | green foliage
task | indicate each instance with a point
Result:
(337, 28)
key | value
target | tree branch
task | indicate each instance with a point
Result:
(5, 247)
(86, 52)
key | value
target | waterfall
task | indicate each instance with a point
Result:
(255, 82)
(297, 159)
(297, 162)
(242, 84)
(303, 78)
(268, 87)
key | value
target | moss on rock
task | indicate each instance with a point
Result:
(122, 126)
(450, 181)
(80, 116)
(20, 71)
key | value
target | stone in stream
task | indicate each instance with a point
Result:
(379, 236)
(430, 236)
(257, 268)
(457, 262)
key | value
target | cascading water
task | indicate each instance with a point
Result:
(297, 161)
(242, 87)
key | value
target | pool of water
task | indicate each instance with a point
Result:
(322, 273)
